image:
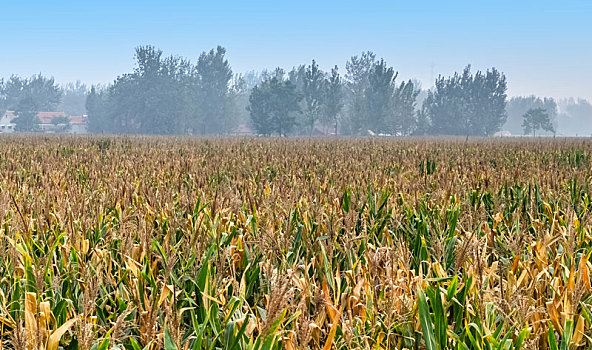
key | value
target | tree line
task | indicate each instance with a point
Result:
(173, 95)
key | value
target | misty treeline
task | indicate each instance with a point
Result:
(27, 96)
(173, 95)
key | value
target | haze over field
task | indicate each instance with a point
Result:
(543, 48)
(295, 175)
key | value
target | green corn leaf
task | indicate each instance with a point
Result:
(551, 338)
(521, 337)
(426, 322)
(169, 344)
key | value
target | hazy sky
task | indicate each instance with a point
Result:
(544, 47)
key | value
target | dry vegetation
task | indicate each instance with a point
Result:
(151, 243)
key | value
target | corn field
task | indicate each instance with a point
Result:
(178, 243)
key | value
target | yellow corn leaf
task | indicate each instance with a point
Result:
(521, 278)
(288, 342)
(334, 324)
(315, 331)
(554, 315)
(358, 288)
(30, 321)
(331, 309)
(515, 264)
(7, 320)
(578, 332)
(166, 290)
(45, 311)
(439, 270)
(584, 275)
(54, 339)
(209, 297)
(571, 282)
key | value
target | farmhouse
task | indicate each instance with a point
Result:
(6, 124)
(49, 122)
(78, 124)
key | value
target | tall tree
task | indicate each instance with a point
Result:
(518, 106)
(404, 121)
(214, 74)
(260, 108)
(26, 110)
(334, 98)
(160, 93)
(239, 100)
(314, 95)
(297, 76)
(357, 79)
(74, 99)
(537, 119)
(445, 105)
(488, 100)
(467, 104)
(2, 98)
(378, 97)
(37, 92)
(272, 105)
(97, 109)
(153, 99)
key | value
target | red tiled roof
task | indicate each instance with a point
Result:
(46, 117)
(77, 119)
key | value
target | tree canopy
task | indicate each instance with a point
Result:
(537, 119)
(173, 95)
(273, 104)
(166, 95)
(467, 104)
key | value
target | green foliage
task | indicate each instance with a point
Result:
(36, 93)
(62, 124)
(378, 96)
(166, 95)
(147, 253)
(73, 101)
(518, 106)
(334, 99)
(358, 70)
(314, 93)
(213, 93)
(376, 102)
(272, 105)
(26, 121)
(467, 104)
(27, 97)
(537, 119)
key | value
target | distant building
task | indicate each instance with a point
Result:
(78, 124)
(49, 122)
(502, 133)
(243, 130)
(6, 124)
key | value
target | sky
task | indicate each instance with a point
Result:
(544, 47)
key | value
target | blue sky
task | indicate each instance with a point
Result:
(544, 47)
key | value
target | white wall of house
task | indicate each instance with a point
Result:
(77, 128)
(6, 124)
